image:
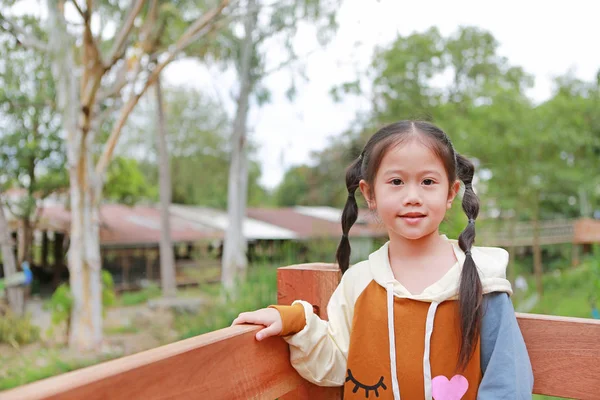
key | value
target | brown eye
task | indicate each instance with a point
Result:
(428, 182)
(397, 182)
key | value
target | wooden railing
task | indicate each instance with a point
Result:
(577, 231)
(231, 364)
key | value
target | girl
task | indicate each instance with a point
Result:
(424, 316)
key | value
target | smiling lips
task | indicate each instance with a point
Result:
(412, 218)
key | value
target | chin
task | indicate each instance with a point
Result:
(415, 235)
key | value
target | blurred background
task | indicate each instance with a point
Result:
(160, 159)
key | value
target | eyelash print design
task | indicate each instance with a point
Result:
(367, 388)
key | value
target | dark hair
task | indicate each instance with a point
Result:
(365, 167)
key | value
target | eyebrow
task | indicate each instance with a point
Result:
(399, 171)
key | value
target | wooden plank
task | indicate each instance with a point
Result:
(587, 231)
(565, 354)
(203, 367)
(315, 284)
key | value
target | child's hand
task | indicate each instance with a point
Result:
(269, 317)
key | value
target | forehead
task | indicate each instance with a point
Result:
(412, 156)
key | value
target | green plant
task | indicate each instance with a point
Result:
(140, 296)
(594, 262)
(61, 302)
(258, 291)
(17, 330)
(117, 330)
(44, 363)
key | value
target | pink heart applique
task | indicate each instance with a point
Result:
(453, 389)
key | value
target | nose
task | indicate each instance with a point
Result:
(412, 196)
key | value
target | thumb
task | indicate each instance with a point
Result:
(271, 330)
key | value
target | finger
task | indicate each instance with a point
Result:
(248, 318)
(267, 332)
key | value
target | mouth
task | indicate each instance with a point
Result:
(412, 215)
(412, 218)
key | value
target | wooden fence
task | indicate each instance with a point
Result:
(231, 364)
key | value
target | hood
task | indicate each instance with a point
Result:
(491, 264)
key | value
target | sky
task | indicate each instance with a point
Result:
(547, 38)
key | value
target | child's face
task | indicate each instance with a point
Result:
(412, 192)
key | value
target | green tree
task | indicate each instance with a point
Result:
(198, 146)
(92, 64)
(533, 162)
(126, 182)
(32, 151)
(263, 24)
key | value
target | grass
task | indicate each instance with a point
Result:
(117, 330)
(138, 297)
(567, 292)
(258, 291)
(154, 291)
(40, 364)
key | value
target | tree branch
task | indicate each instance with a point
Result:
(289, 61)
(196, 27)
(118, 48)
(183, 41)
(25, 38)
(79, 10)
(116, 87)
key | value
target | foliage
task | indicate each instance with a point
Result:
(258, 291)
(32, 150)
(41, 364)
(140, 296)
(198, 147)
(16, 330)
(594, 263)
(126, 182)
(61, 302)
(569, 292)
(532, 160)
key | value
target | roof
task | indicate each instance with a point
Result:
(122, 225)
(217, 219)
(316, 221)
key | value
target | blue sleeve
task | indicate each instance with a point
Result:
(505, 363)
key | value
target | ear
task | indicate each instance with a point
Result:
(366, 192)
(454, 189)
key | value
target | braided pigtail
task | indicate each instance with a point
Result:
(470, 291)
(350, 213)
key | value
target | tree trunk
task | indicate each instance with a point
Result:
(84, 255)
(512, 251)
(45, 242)
(77, 90)
(537, 250)
(167, 260)
(234, 261)
(25, 234)
(15, 295)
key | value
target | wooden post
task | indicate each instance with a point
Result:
(575, 248)
(315, 284)
(44, 260)
(149, 257)
(125, 268)
(58, 256)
